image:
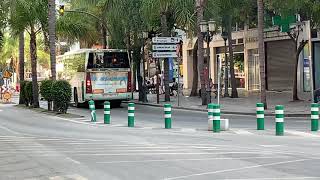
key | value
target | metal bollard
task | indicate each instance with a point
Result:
(167, 116)
(216, 117)
(93, 111)
(260, 116)
(279, 120)
(314, 117)
(131, 114)
(106, 112)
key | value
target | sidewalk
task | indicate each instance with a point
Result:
(243, 105)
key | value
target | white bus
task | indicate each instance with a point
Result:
(100, 75)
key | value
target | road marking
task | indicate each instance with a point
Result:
(271, 146)
(300, 133)
(286, 178)
(9, 130)
(242, 132)
(118, 125)
(153, 154)
(56, 178)
(72, 160)
(76, 177)
(200, 159)
(1, 110)
(237, 169)
(188, 130)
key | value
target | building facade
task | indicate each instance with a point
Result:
(280, 60)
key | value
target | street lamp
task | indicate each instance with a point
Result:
(208, 29)
(224, 36)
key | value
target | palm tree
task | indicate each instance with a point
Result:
(98, 10)
(200, 10)
(21, 63)
(29, 15)
(52, 36)
(261, 52)
(168, 12)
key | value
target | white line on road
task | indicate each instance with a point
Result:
(285, 178)
(72, 160)
(76, 177)
(303, 134)
(200, 159)
(9, 130)
(237, 169)
(159, 154)
(242, 132)
(271, 145)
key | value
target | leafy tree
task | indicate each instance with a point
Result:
(168, 12)
(29, 15)
(308, 10)
(263, 96)
(52, 36)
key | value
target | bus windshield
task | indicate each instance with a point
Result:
(108, 60)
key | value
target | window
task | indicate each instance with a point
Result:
(108, 60)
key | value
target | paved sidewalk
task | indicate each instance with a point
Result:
(243, 105)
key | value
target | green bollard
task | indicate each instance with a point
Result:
(216, 117)
(279, 120)
(260, 116)
(314, 117)
(93, 111)
(131, 115)
(106, 112)
(167, 116)
(210, 116)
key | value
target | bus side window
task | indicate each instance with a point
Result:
(90, 61)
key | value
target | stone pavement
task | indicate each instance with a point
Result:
(245, 105)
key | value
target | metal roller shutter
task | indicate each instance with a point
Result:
(280, 65)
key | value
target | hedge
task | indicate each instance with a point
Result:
(61, 93)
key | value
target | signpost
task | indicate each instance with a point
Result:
(165, 47)
(164, 54)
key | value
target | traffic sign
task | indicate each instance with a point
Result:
(164, 47)
(164, 55)
(7, 74)
(166, 40)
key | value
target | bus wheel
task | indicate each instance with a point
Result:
(75, 98)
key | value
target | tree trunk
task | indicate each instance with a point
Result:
(164, 30)
(52, 37)
(33, 54)
(263, 95)
(297, 52)
(104, 37)
(199, 10)
(295, 76)
(234, 92)
(194, 89)
(21, 64)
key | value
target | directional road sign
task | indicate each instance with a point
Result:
(164, 54)
(166, 40)
(164, 47)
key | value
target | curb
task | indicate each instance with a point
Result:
(223, 112)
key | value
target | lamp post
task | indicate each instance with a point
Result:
(208, 29)
(224, 35)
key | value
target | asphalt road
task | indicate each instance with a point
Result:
(40, 146)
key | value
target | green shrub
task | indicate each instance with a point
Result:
(62, 94)
(46, 90)
(28, 93)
